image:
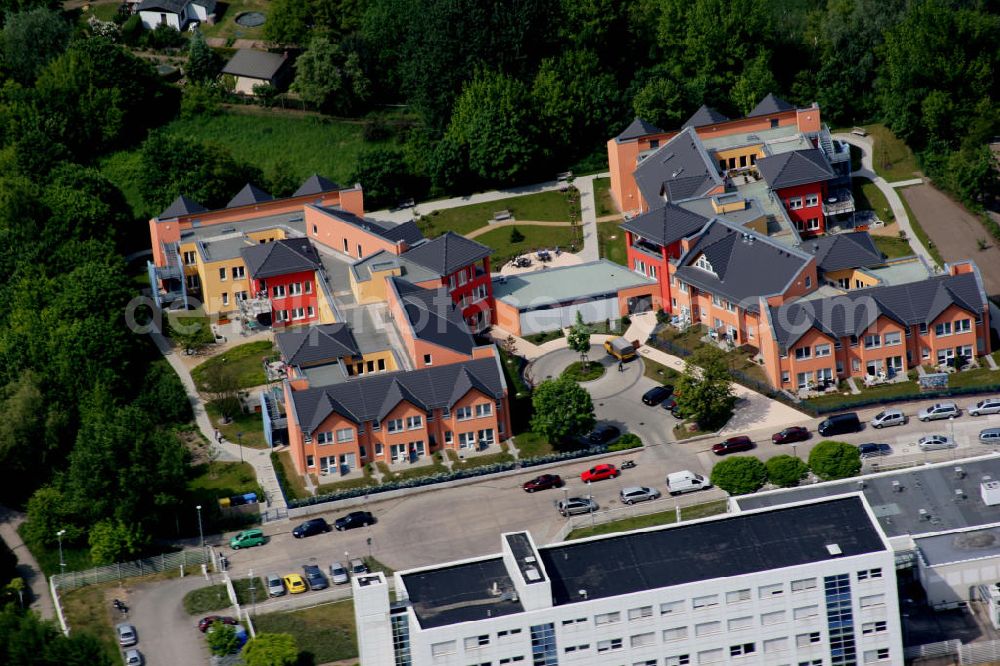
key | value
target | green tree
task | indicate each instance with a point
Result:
(576, 99)
(578, 338)
(48, 513)
(330, 76)
(112, 542)
(704, 390)
(516, 236)
(26, 639)
(753, 83)
(562, 410)
(8, 564)
(222, 639)
(293, 21)
(223, 384)
(384, 175)
(786, 471)
(30, 40)
(493, 122)
(834, 460)
(660, 102)
(271, 650)
(203, 63)
(739, 475)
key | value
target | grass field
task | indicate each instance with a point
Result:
(602, 197)
(296, 486)
(578, 373)
(867, 196)
(892, 158)
(893, 246)
(323, 633)
(611, 242)
(348, 484)
(87, 611)
(659, 372)
(225, 24)
(541, 207)
(245, 360)
(921, 234)
(250, 425)
(530, 445)
(534, 237)
(651, 520)
(457, 462)
(222, 479)
(214, 597)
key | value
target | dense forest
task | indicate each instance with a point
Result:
(491, 92)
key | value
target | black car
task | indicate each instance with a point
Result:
(603, 434)
(354, 519)
(311, 527)
(873, 450)
(657, 394)
(315, 577)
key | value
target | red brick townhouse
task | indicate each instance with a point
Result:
(398, 417)
(879, 332)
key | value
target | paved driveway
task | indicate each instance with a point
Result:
(167, 634)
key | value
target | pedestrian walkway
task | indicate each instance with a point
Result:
(907, 183)
(27, 565)
(864, 143)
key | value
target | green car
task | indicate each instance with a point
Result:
(248, 539)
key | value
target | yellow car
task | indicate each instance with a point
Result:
(295, 584)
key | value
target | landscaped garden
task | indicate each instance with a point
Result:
(245, 362)
(580, 371)
(982, 377)
(893, 247)
(534, 238)
(244, 428)
(605, 205)
(867, 196)
(215, 597)
(541, 207)
(611, 242)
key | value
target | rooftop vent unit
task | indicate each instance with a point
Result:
(959, 473)
(990, 491)
(834, 549)
(228, 230)
(861, 484)
(959, 494)
(897, 487)
(495, 589)
(532, 574)
(924, 514)
(582, 593)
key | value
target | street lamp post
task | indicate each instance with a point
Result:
(62, 562)
(201, 534)
(239, 442)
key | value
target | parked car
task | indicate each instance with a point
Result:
(126, 635)
(936, 442)
(543, 482)
(888, 417)
(732, 445)
(686, 481)
(634, 494)
(295, 584)
(207, 621)
(576, 505)
(134, 658)
(939, 410)
(311, 527)
(791, 435)
(275, 588)
(358, 566)
(670, 405)
(620, 348)
(872, 450)
(839, 424)
(657, 394)
(338, 573)
(990, 436)
(603, 434)
(354, 519)
(987, 406)
(248, 539)
(315, 577)
(600, 472)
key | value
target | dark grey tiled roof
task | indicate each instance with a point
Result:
(434, 317)
(746, 264)
(770, 104)
(795, 168)
(317, 345)
(841, 251)
(666, 225)
(679, 169)
(182, 206)
(316, 184)
(174, 6)
(852, 313)
(371, 397)
(737, 545)
(705, 115)
(447, 253)
(281, 257)
(636, 129)
(408, 231)
(250, 194)
(254, 64)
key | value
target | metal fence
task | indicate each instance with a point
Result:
(143, 567)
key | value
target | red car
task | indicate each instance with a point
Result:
(599, 473)
(209, 620)
(790, 435)
(543, 482)
(732, 445)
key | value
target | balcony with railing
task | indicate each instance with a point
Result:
(647, 247)
(257, 305)
(838, 202)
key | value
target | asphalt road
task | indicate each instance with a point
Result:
(167, 634)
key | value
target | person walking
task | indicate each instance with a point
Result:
(621, 367)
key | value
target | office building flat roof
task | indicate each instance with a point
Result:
(462, 593)
(931, 488)
(714, 143)
(568, 283)
(959, 546)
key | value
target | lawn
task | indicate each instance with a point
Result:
(225, 24)
(837, 399)
(650, 520)
(602, 197)
(416, 472)
(295, 486)
(611, 242)
(87, 611)
(246, 361)
(610, 326)
(919, 231)
(541, 207)
(867, 196)
(250, 425)
(892, 159)
(214, 597)
(323, 633)
(531, 445)
(480, 461)
(212, 481)
(659, 372)
(190, 321)
(578, 373)
(76, 558)
(893, 246)
(535, 237)
(544, 336)
(348, 484)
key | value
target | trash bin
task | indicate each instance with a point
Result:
(237, 500)
(250, 498)
(224, 502)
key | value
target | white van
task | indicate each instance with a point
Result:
(685, 482)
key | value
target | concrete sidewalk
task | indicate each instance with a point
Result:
(27, 565)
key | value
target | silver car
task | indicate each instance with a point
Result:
(134, 658)
(577, 505)
(338, 573)
(990, 436)
(987, 406)
(936, 442)
(358, 566)
(275, 586)
(888, 417)
(939, 410)
(634, 494)
(126, 635)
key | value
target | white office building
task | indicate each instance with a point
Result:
(809, 583)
